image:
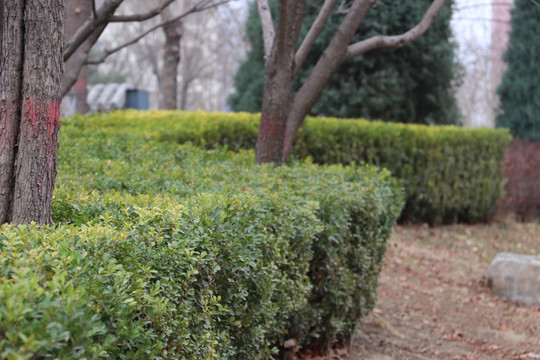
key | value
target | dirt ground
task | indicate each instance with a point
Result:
(433, 303)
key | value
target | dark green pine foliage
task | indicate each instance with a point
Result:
(411, 85)
(520, 88)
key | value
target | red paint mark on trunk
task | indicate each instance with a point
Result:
(31, 113)
(80, 84)
(53, 117)
(271, 127)
(43, 113)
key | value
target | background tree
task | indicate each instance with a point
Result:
(77, 12)
(171, 58)
(283, 109)
(413, 84)
(518, 92)
(78, 47)
(31, 63)
(211, 48)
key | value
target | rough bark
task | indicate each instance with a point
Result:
(278, 83)
(77, 12)
(171, 59)
(10, 100)
(30, 79)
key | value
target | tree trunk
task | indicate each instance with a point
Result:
(10, 88)
(279, 74)
(184, 95)
(77, 12)
(276, 102)
(282, 114)
(31, 70)
(171, 59)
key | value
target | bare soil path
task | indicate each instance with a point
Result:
(433, 303)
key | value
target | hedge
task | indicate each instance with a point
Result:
(167, 251)
(450, 174)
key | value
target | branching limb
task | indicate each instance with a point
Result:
(313, 33)
(396, 41)
(200, 6)
(267, 26)
(102, 17)
(142, 17)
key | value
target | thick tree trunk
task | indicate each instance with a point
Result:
(276, 101)
(77, 12)
(10, 99)
(277, 94)
(171, 59)
(31, 71)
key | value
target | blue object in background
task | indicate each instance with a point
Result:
(137, 99)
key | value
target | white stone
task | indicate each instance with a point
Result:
(515, 277)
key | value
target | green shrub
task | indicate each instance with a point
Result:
(62, 295)
(168, 251)
(450, 174)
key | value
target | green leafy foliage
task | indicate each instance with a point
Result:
(450, 174)
(168, 251)
(411, 85)
(521, 82)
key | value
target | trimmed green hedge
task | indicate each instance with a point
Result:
(449, 174)
(167, 251)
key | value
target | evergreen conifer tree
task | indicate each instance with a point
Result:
(520, 87)
(412, 84)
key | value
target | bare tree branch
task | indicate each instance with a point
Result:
(267, 26)
(102, 17)
(200, 6)
(94, 12)
(535, 2)
(331, 59)
(141, 17)
(313, 33)
(396, 41)
(73, 66)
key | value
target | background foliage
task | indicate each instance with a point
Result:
(410, 85)
(518, 92)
